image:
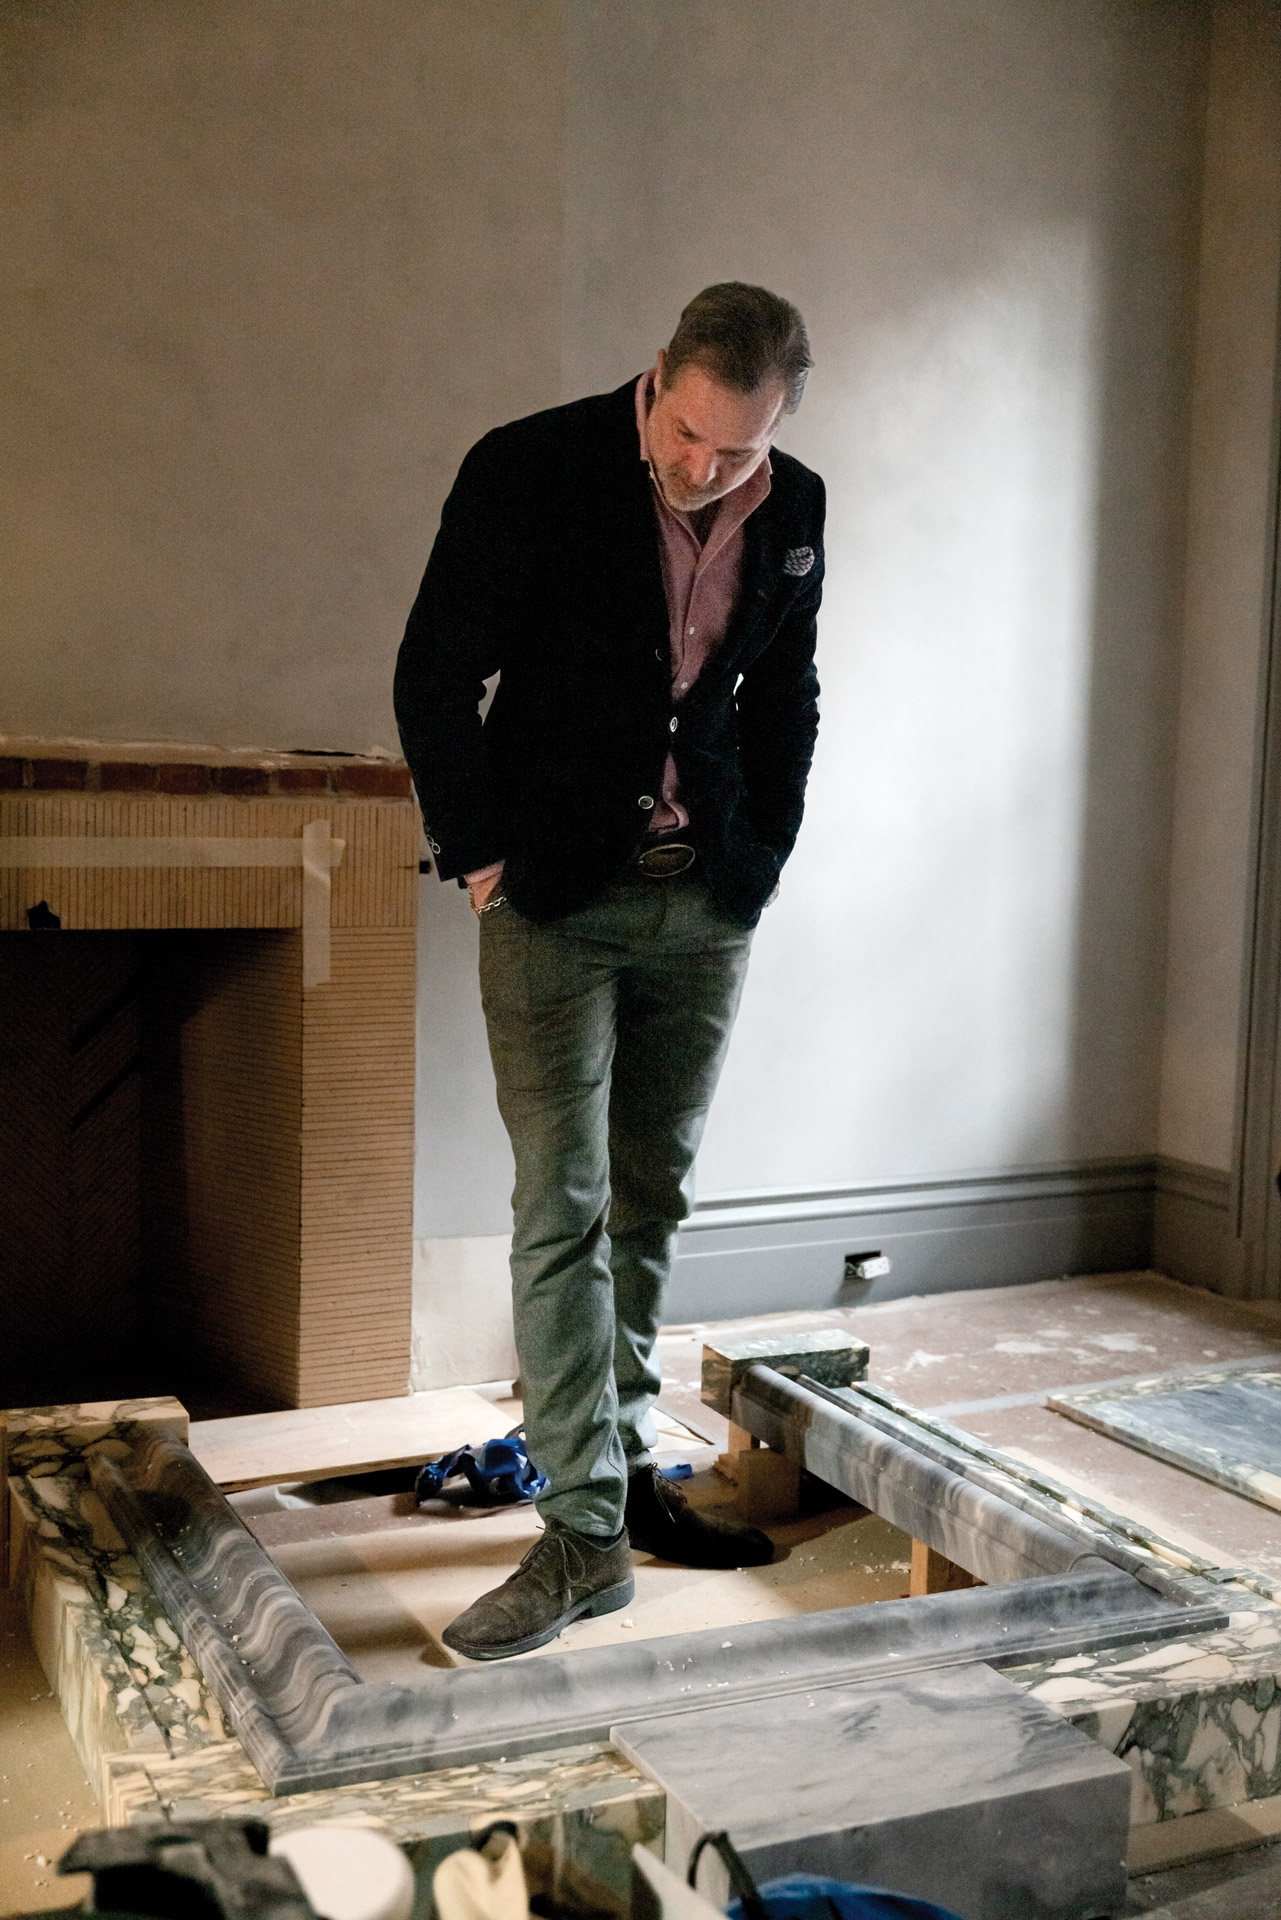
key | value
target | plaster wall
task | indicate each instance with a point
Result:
(987, 213)
(269, 270)
(1227, 582)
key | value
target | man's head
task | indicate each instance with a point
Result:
(734, 369)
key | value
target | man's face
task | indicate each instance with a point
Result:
(705, 439)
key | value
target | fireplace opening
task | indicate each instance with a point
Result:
(150, 1166)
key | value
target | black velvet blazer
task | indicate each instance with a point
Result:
(546, 571)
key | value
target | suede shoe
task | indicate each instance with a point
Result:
(659, 1520)
(565, 1576)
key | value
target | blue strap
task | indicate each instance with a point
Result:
(500, 1474)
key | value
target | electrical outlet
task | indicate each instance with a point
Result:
(871, 1264)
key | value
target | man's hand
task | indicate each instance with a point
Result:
(484, 886)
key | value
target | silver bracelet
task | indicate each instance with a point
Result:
(495, 900)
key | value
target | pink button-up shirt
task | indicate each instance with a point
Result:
(701, 580)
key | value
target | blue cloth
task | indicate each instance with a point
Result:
(500, 1474)
(809, 1896)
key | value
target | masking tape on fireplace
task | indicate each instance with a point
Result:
(315, 852)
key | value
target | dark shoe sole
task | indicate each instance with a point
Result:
(608, 1600)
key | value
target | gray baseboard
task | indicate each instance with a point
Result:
(1192, 1238)
(770, 1252)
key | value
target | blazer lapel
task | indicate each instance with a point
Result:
(764, 546)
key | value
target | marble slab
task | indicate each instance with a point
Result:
(955, 1787)
(982, 1520)
(30, 1435)
(1197, 1721)
(1223, 1423)
(577, 1812)
(308, 1721)
(828, 1354)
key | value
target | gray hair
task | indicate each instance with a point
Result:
(744, 337)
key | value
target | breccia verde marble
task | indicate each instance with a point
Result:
(1196, 1721)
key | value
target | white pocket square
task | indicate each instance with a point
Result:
(798, 560)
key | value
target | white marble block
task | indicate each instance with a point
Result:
(952, 1786)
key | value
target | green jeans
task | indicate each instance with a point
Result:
(607, 1030)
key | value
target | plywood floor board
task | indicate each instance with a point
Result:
(318, 1443)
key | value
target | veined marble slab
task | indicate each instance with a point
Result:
(577, 1811)
(1197, 1721)
(955, 1446)
(1223, 1423)
(955, 1787)
(147, 1738)
(829, 1355)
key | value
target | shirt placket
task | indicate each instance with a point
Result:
(682, 678)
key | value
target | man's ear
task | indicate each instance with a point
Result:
(660, 374)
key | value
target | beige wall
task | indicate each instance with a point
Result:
(269, 268)
(1226, 590)
(987, 211)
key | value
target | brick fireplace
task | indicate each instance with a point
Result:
(207, 971)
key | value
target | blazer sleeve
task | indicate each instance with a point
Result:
(453, 643)
(777, 702)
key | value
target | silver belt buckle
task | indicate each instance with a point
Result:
(662, 862)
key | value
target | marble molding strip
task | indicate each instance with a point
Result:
(1161, 1560)
(968, 1523)
(251, 1634)
(849, 1413)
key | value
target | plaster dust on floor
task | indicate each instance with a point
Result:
(45, 1800)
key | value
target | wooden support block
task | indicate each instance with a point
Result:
(739, 1441)
(934, 1573)
(769, 1486)
(829, 1355)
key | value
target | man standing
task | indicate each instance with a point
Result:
(644, 578)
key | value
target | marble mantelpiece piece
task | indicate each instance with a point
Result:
(1189, 1717)
(307, 1719)
(1223, 1423)
(1015, 1812)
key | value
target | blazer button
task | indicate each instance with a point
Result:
(645, 802)
(672, 724)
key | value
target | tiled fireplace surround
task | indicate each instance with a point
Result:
(207, 1069)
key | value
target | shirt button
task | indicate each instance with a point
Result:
(645, 802)
(672, 724)
(691, 633)
(684, 686)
